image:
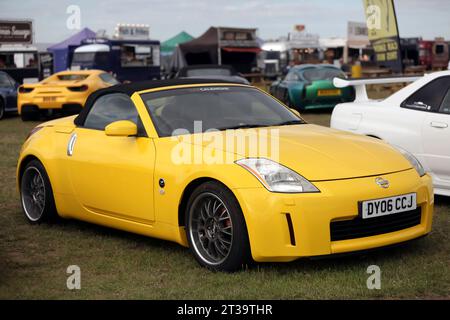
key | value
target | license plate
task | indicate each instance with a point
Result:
(385, 206)
(49, 99)
(329, 92)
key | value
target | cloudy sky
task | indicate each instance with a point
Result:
(273, 18)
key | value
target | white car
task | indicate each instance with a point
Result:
(415, 118)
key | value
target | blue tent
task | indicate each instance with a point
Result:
(61, 51)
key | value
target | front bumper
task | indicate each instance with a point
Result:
(271, 235)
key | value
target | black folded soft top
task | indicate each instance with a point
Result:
(130, 88)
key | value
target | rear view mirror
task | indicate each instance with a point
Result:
(122, 128)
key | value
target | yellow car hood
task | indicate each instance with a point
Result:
(317, 153)
(320, 153)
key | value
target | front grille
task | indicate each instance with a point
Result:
(359, 228)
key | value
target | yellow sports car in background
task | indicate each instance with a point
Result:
(64, 91)
(224, 169)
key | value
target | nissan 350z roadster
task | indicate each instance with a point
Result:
(224, 169)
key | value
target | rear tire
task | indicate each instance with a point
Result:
(30, 114)
(2, 109)
(36, 194)
(216, 229)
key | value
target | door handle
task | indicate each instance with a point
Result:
(440, 125)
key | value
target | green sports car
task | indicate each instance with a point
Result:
(310, 86)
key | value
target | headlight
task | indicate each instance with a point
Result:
(276, 177)
(413, 160)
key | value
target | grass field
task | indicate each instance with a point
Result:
(119, 265)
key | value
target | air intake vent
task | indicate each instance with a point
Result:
(359, 228)
(291, 228)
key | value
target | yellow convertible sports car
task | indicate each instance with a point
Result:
(64, 91)
(224, 169)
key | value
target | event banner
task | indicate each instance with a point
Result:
(16, 32)
(383, 33)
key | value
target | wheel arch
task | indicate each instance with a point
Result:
(190, 187)
(294, 94)
(23, 163)
(50, 203)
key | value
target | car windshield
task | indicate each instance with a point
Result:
(208, 72)
(313, 74)
(72, 77)
(200, 109)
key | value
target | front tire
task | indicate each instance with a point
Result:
(216, 229)
(36, 194)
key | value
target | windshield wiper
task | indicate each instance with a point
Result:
(286, 123)
(244, 126)
(255, 125)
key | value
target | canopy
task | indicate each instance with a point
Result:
(74, 39)
(204, 47)
(61, 50)
(221, 45)
(168, 46)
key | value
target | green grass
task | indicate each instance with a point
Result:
(119, 265)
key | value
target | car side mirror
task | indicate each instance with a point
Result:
(122, 128)
(295, 111)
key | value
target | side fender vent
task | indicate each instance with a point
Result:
(290, 228)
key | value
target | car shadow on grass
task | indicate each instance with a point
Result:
(441, 200)
(129, 239)
(347, 261)
(133, 241)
